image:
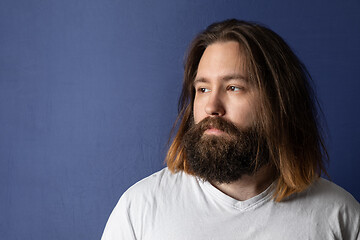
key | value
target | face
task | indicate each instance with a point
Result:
(222, 89)
(223, 143)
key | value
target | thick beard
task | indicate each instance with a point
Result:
(225, 158)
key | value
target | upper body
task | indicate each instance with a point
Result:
(248, 152)
(181, 206)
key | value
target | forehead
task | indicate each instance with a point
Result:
(220, 59)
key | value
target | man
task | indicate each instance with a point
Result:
(248, 154)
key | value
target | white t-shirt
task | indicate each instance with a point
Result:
(182, 207)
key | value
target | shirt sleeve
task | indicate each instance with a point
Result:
(119, 225)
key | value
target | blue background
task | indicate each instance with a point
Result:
(89, 89)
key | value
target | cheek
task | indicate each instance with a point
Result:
(198, 111)
(244, 116)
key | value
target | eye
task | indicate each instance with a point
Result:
(203, 90)
(235, 89)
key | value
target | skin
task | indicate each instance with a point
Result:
(222, 90)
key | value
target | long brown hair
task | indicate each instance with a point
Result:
(288, 116)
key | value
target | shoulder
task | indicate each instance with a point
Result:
(329, 193)
(157, 185)
(138, 202)
(326, 196)
(332, 208)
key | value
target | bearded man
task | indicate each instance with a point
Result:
(247, 159)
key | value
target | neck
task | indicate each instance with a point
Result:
(248, 186)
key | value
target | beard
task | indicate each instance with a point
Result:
(223, 158)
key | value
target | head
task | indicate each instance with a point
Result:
(248, 76)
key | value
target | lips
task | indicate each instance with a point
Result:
(214, 131)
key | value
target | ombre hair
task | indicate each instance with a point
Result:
(288, 111)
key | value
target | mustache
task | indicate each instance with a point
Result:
(218, 123)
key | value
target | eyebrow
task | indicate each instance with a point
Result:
(223, 78)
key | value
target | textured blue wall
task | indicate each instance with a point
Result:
(89, 88)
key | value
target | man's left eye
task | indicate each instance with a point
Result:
(234, 89)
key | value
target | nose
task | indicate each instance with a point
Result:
(215, 106)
